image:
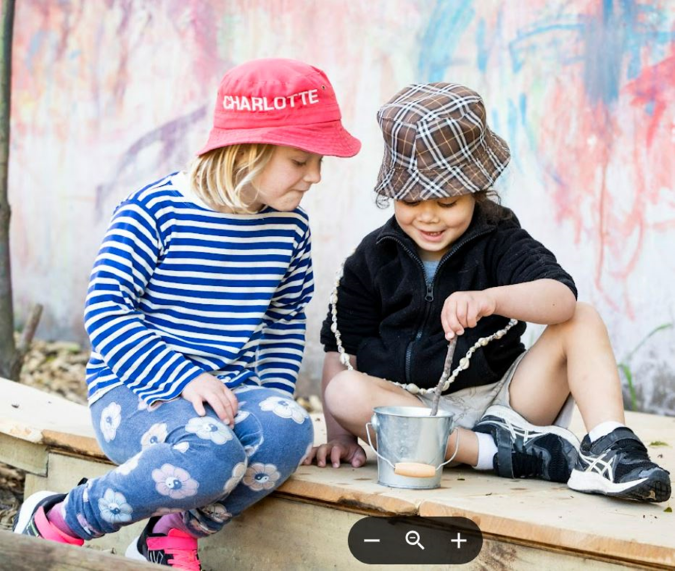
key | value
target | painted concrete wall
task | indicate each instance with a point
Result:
(109, 95)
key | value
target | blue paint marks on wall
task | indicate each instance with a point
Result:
(448, 23)
(550, 40)
(481, 46)
(605, 42)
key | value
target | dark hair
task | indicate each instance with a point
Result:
(489, 200)
(491, 205)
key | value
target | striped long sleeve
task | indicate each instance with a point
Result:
(281, 346)
(116, 327)
(178, 289)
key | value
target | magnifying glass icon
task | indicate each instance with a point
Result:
(413, 538)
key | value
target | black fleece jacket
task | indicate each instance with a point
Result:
(390, 319)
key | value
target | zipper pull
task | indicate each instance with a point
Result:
(430, 293)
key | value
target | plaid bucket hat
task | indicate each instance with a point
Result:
(437, 144)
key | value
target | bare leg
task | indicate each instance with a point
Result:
(352, 396)
(573, 357)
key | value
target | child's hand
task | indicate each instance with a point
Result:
(209, 389)
(464, 309)
(341, 448)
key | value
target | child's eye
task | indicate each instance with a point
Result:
(447, 204)
(300, 163)
(411, 202)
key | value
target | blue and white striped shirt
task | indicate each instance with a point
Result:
(179, 289)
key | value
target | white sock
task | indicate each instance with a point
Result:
(603, 429)
(486, 451)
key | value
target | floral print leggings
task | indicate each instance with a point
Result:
(172, 460)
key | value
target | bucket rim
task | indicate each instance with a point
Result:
(409, 411)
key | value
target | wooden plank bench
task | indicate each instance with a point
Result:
(527, 524)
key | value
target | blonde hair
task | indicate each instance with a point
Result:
(218, 177)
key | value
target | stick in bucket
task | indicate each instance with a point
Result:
(444, 377)
(418, 469)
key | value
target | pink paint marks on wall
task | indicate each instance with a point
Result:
(603, 129)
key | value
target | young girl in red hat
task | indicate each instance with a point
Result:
(454, 264)
(195, 311)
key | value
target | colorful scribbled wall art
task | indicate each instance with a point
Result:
(109, 96)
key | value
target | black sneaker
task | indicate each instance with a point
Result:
(177, 549)
(618, 465)
(528, 451)
(32, 519)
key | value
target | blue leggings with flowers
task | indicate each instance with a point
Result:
(172, 460)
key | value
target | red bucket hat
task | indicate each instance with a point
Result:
(279, 102)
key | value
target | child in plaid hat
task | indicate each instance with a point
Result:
(452, 263)
(195, 311)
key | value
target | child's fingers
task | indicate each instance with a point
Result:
(444, 320)
(454, 327)
(321, 453)
(449, 318)
(222, 410)
(310, 457)
(472, 315)
(444, 323)
(462, 311)
(359, 458)
(198, 405)
(229, 409)
(230, 404)
(335, 455)
(446, 312)
(232, 401)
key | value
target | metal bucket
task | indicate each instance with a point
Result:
(408, 439)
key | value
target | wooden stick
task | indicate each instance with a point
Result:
(447, 366)
(29, 330)
(25, 340)
(23, 553)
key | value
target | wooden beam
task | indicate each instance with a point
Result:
(305, 536)
(23, 553)
(23, 454)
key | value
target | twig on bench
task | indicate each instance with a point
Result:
(23, 346)
(29, 330)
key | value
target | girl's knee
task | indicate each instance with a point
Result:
(215, 463)
(293, 430)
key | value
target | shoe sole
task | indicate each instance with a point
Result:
(514, 418)
(653, 489)
(132, 551)
(28, 509)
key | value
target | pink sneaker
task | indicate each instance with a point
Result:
(32, 519)
(177, 549)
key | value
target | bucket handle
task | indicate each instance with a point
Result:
(411, 467)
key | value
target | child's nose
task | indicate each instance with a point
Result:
(427, 214)
(313, 173)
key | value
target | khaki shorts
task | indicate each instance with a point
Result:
(469, 405)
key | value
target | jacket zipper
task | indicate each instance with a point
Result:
(429, 297)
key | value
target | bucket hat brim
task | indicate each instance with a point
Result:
(329, 138)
